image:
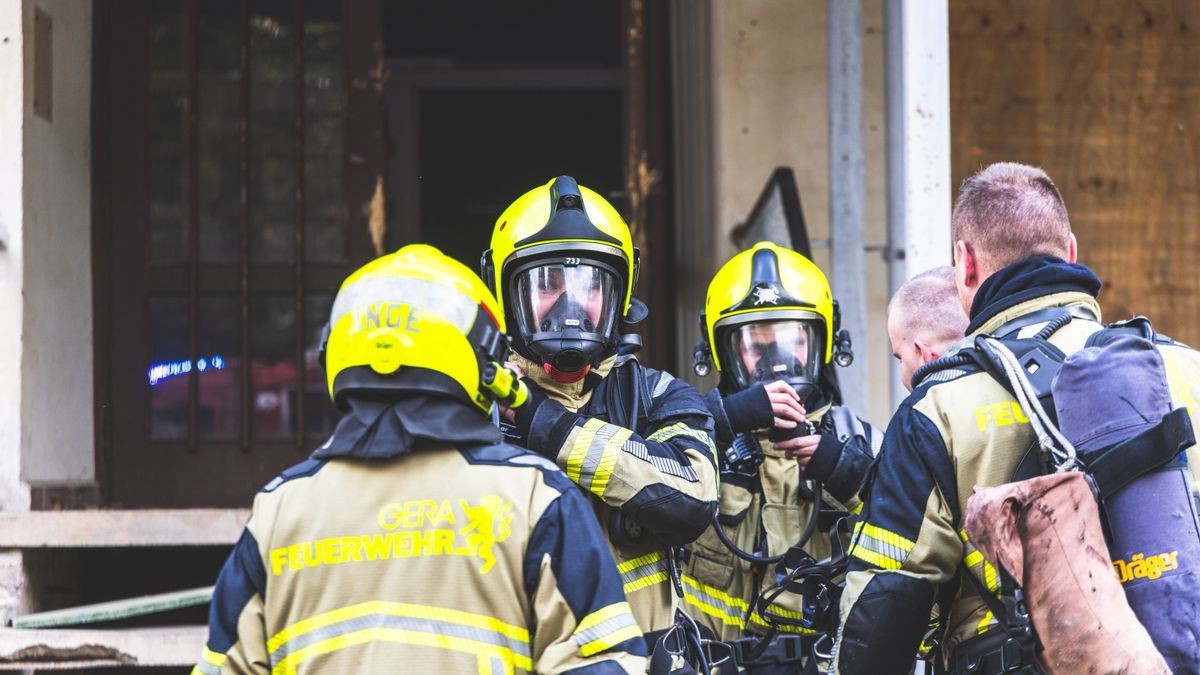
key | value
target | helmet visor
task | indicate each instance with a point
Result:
(554, 298)
(772, 350)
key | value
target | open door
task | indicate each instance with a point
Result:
(238, 180)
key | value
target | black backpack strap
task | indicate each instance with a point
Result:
(627, 395)
(1010, 329)
(1115, 467)
(1017, 653)
(1138, 326)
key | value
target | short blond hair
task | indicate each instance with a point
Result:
(928, 305)
(1008, 212)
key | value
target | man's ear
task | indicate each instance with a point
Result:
(966, 264)
(927, 352)
(1072, 250)
(966, 274)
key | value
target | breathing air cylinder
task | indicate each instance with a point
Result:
(1114, 405)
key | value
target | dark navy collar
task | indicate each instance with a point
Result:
(1026, 279)
(380, 429)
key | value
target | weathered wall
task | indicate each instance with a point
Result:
(771, 110)
(12, 495)
(56, 362)
(1106, 97)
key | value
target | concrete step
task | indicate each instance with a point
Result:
(45, 649)
(132, 528)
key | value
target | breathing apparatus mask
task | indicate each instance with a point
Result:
(566, 310)
(765, 351)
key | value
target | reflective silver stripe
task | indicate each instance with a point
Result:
(402, 622)
(422, 294)
(665, 465)
(534, 460)
(587, 472)
(661, 386)
(892, 552)
(639, 573)
(207, 668)
(982, 569)
(944, 375)
(730, 615)
(604, 629)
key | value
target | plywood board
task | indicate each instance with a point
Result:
(1106, 98)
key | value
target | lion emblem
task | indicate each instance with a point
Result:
(487, 525)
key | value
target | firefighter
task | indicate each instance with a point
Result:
(1017, 276)
(415, 539)
(790, 453)
(638, 440)
(925, 318)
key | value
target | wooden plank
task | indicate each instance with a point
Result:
(77, 649)
(1106, 98)
(82, 529)
(117, 609)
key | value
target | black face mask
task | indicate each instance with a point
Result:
(775, 364)
(565, 314)
(568, 336)
(566, 339)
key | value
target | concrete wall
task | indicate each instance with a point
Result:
(57, 440)
(12, 495)
(772, 110)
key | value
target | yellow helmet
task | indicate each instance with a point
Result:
(769, 314)
(563, 264)
(415, 320)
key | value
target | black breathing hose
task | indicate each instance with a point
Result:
(809, 529)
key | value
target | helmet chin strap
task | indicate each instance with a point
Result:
(564, 377)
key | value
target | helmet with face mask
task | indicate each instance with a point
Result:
(563, 264)
(769, 315)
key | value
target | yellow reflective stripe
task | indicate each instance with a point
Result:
(606, 628)
(215, 658)
(719, 594)
(876, 559)
(985, 623)
(879, 547)
(612, 451)
(857, 509)
(714, 611)
(397, 609)
(715, 602)
(483, 652)
(643, 572)
(756, 619)
(973, 557)
(579, 448)
(887, 537)
(640, 561)
(681, 429)
(732, 611)
(210, 663)
(645, 582)
(601, 615)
